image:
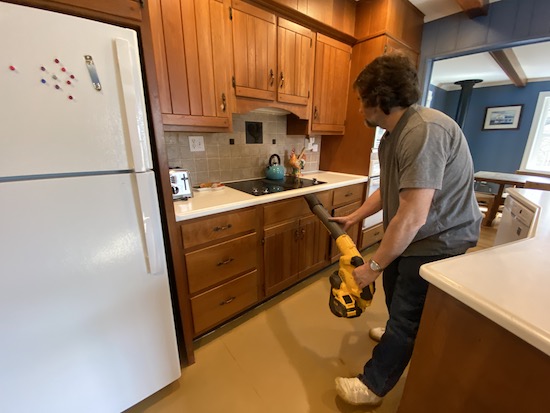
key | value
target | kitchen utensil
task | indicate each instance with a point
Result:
(275, 170)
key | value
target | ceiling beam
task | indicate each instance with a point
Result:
(474, 8)
(507, 60)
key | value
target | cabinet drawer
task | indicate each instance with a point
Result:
(220, 303)
(203, 230)
(292, 208)
(212, 265)
(348, 194)
(372, 236)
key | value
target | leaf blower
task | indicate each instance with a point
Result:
(346, 299)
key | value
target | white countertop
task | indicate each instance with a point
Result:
(227, 199)
(510, 283)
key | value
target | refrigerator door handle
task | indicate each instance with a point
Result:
(151, 228)
(132, 106)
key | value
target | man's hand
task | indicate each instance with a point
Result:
(346, 221)
(364, 275)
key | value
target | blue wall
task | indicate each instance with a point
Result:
(508, 23)
(494, 150)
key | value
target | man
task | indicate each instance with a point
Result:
(429, 206)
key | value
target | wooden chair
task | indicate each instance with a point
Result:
(537, 185)
(485, 201)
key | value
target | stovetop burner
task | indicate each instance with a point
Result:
(259, 187)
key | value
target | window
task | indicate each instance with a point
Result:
(536, 157)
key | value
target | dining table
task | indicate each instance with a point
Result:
(504, 179)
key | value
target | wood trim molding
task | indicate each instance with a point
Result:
(509, 63)
(474, 8)
(303, 20)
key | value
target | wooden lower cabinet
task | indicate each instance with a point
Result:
(372, 235)
(223, 262)
(235, 260)
(221, 303)
(295, 242)
(212, 265)
(280, 257)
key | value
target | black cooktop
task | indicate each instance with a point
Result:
(268, 186)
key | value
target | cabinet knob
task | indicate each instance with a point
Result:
(315, 112)
(282, 82)
(222, 228)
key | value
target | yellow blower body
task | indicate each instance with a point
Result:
(346, 299)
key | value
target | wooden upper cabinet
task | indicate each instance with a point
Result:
(273, 61)
(396, 18)
(191, 48)
(331, 85)
(255, 51)
(394, 46)
(295, 62)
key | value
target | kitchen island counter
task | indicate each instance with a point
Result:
(510, 283)
(205, 203)
(484, 338)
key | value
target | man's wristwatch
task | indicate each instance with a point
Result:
(375, 266)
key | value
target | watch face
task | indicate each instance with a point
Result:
(374, 265)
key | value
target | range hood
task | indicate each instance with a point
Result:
(271, 111)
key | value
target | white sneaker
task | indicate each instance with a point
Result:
(353, 391)
(376, 333)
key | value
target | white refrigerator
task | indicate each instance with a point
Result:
(86, 321)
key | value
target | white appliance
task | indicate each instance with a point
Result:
(374, 179)
(515, 223)
(86, 319)
(180, 181)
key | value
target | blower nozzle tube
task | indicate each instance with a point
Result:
(319, 210)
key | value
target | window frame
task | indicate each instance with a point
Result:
(539, 119)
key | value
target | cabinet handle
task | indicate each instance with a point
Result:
(229, 300)
(348, 194)
(315, 112)
(271, 77)
(282, 82)
(227, 261)
(223, 106)
(222, 228)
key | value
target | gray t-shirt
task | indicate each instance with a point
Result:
(427, 149)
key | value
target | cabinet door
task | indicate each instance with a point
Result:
(255, 51)
(190, 47)
(281, 243)
(330, 91)
(295, 63)
(313, 249)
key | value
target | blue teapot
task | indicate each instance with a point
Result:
(275, 170)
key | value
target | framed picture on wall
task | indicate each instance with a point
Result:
(502, 117)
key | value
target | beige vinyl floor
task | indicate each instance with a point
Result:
(281, 357)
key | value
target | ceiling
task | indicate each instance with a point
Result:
(530, 58)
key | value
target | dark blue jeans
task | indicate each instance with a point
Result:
(405, 293)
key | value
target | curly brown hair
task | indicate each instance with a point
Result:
(388, 81)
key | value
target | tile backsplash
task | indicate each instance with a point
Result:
(222, 161)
